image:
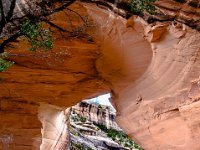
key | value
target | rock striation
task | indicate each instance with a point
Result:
(99, 114)
(152, 71)
(185, 11)
(159, 74)
(46, 77)
(89, 130)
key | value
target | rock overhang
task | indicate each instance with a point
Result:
(147, 68)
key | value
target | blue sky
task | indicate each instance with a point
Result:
(102, 100)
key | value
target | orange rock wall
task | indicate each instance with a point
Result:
(152, 72)
(185, 11)
(154, 79)
(53, 77)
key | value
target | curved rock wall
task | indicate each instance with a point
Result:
(151, 70)
(55, 123)
(53, 77)
(152, 107)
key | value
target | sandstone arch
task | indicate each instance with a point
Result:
(151, 70)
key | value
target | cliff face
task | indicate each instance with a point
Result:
(99, 114)
(48, 77)
(91, 128)
(185, 11)
(153, 104)
(152, 71)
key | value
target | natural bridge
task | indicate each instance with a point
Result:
(151, 70)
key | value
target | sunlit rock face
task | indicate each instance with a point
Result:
(157, 96)
(151, 70)
(93, 126)
(99, 114)
(55, 123)
(53, 77)
(56, 74)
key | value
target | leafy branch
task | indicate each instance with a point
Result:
(4, 64)
(36, 35)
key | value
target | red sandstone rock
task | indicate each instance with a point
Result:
(153, 76)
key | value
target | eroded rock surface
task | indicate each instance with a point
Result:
(185, 11)
(151, 70)
(93, 126)
(152, 106)
(55, 124)
(100, 114)
(48, 77)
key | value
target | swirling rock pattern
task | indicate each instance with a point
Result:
(152, 71)
(156, 84)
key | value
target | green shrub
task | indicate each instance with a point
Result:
(118, 136)
(4, 64)
(83, 119)
(138, 6)
(100, 107)
(36, 35)
(79, 146)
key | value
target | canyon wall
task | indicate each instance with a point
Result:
(184, 11)
(55, 126)
(155, 85)
(93, 126)
(152, 71)
(53, 77)
(99, 114)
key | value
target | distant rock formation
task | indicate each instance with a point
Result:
(99, 114)
(151, 70)
(93, 127)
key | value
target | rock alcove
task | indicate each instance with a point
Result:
(152, 71)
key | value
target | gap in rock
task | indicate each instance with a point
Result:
(93, 127)
(101, 100)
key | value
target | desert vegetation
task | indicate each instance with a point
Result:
(28, 22)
